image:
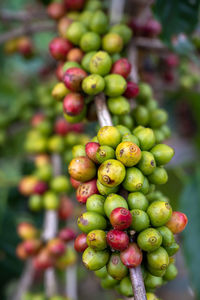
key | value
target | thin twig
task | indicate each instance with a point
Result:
(22, 16)
(102, 111)
(27, 29)
(137, 284)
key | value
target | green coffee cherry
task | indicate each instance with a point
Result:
(127, 137)
(104, 153)
(70, 64)
(127, 121)
(126, 287)
(124, 31)
(35, 203)
(111, 173)
(166, 131)
(167, 236)
(151, 296)
(90, 41)
(85, 17)
(100, 63)
(171, 272)
(145, 92)
(138, 128)
(151, 104)
(78, 150)
(159, 135)
(105, 190)
(60, 184)
(149, 239)
(140, 220)
(116, 268)
(128, 153)
(109, 136)
(50, 201)
(89, 221)
(93, 5)
(112, 43)
(123, 130)
(99, 22)
(95, 203)
(95, 260)
(152, 282)
(156, 272)
(172, 249)
(158, 176)
(118, 105)
(75, 31)
(158, 117)
(133, 180)
(85, 63)
(137, 201)
(141, 115)
(113, 201)
(146, 138)
(145, 187)
(147, 163)
(162, 154)
(96, 239)
(93, 84)
(108, 282)
(101, 273)
(115, 85)
(56, 144)
(159, 213)
(158, 259)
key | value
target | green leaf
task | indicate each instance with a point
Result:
(176, 16)
(190, 205)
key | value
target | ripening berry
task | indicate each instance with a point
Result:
(120, 218)
(117, 240)
(59, 48)
(121, 67)
(80, 243)
(177, 222)
(132, 256)
(85, 190)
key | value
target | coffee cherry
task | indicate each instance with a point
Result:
(147, 163)
(140, 220)
(90, 41)
(74, 4)
(158, 259)
(65, 208)
(56, 247)
(96, 239)
(149, 239)
(61, 127)
(116, 268)
(63, 24)
(122, 30)
(171, 272)
(121, 67)
(67, 234)
(127, 137)
(114, 201)
(145, 92)
(60, 184)
(93, 84)
(132, 90)
(156, 272)
(152, 28)
(27, 231)
(43, 260)
(123, 130)
(117, 240)
(91, 149)
(137, 201)
(85, 190)
(151, 296)
(104, 153)
(120, 218)
(152, 282)
(118, 105)
(59, 48)
(35, 203)
(32, 247)
(115, 85)
(82, 169)
(21, 252)
(141, 115)
(167, 236)
(85, 63)
(126, 287)
(75, 32)
(89, 221)
(80, 243)
(27, 185)
(158, 176)
(100, 63)
(56, 10)
(75, 55)
(112, 43)
(158, 118)
(159, 213)
(132, 256)
(99, 22)
(145, 187)
(95, 260)
(73, 78)
(162, 154)
(109, 136)
(78, 150)
(76, 119)
(105, 190)
(73, 104)
(108, 282)
(40, 188)
(68, 65)
(111, 173)
(50, 201)
(177, 222)
(128, 153)
(95, 203)
(146, 137)
(101, 273)
(134, 180)
(56, 144)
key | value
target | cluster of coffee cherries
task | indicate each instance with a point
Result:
(41, 296)
(127, 221)
(53, 253)
(22, 45)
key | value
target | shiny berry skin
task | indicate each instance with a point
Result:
(82, 169)
(67, 234)
(59, 48)
(85, 190)
(56, 247)
(120, 218)
(121, 67)
(66, 208)
(40, 188)
(80, 243)
(74, 4)
(91, 150)
(177, 222)
(56, 10)
(61, 127)
(73, 78)
(75, 183)
(117, 240)
(132, 256)
(73, 104)
(132, 90)
(75, 54)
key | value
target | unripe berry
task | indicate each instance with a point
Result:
(132, 256)
(73, 104)
(177, 222)
(117, 240)
(27, 231)
(85, 190)
(120, 218)
(96, 239)
(59, 91)
(95, 260)
(73, 78)
(80, 243)
(111, 173)
(82, 169)
(132, 90)
(149, 239)
(67, 234)
(112, 43)
(121, 67)
(91, 149)
(59, 48)
(116, 268)
(89, 221)
(159, 213)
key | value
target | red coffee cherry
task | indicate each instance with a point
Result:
(91, 150)
(61, 127)
(66, 208)
(85, 190)
(121, 67)
(73, 78)
(59, 47)
(120, 218)
(56, 247)
(117, 240)
(132, 90)
(80, 243)
(132, 256)
(177, 222)
(67, 234)
(40, 188)
(56, 10)
(73, 104)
